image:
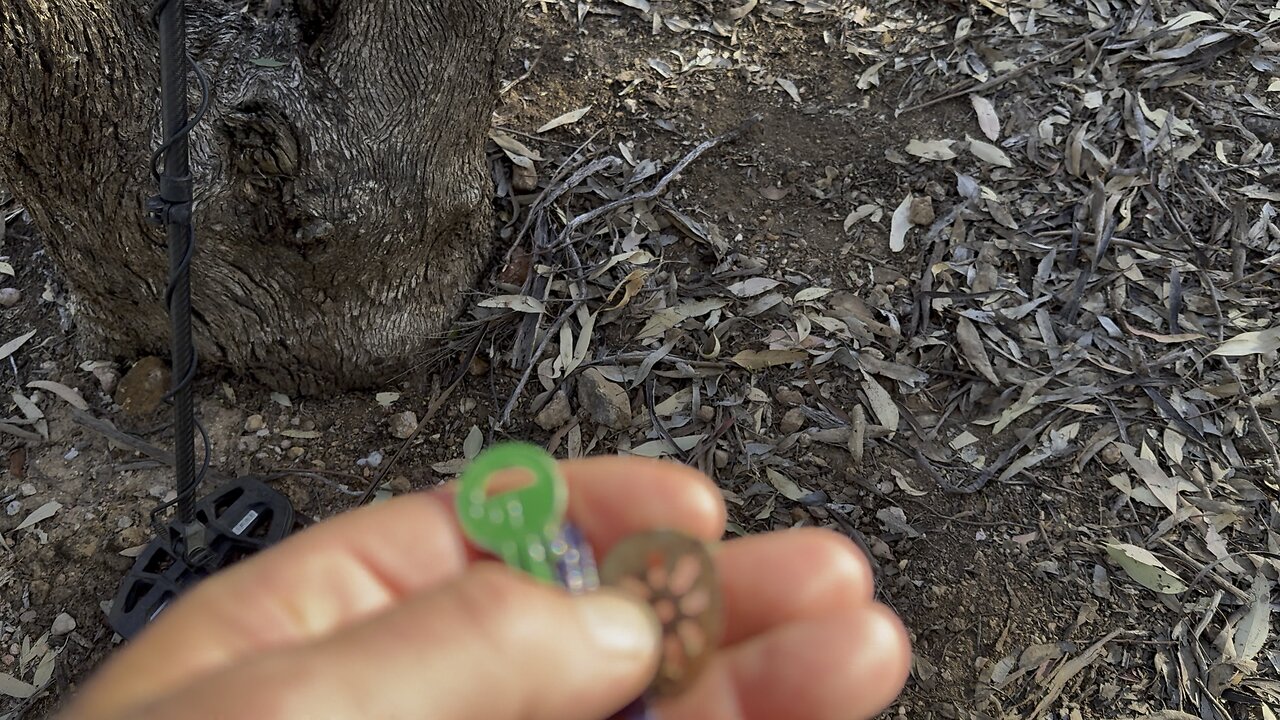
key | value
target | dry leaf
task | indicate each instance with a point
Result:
(931, 150)
(7, 269)
(8, 348)
(974, 352)
(785, 485)
(13, 687)
(1246, 343)
(519, 303)
(735, 14)
(760, 359)
(661, 448)
(901, 224)
(989, 153)
(1251, 633)
(474, 443)
(281, 399)
(881, 402)
(1145, 568)
(565, 119)
(386, 398)
(71, 395)
(667, 318)
(790, 87)
(987, 118)
(44, 512)
(753, 286)
(301, 434)
(871, 76)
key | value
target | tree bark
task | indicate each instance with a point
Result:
(343, 204)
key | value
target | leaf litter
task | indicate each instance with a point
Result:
(1093, 293)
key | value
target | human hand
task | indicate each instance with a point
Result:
(385, 612)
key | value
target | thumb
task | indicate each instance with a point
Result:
(491, 644)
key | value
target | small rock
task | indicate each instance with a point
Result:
(466, 406)
(706, 413)
(1111, 454)
(788, 396)
(8, 660)
(27, 489)
(792, 421)
(286, 444)
(85, 549)
(249, 444)
(157, 491)
(556, 413)
(124, 522)
(524, 179)
(400, 485)
(130, 537)
(404, 425)
(107, 377)
(295, 453)
(254, 424)
(140, 391)
(62, 625)
(72, 454)
(10, 297)
(921, 211)
(604, 400)
(308, 424)
(721, 458)
(13, 508)
(479, 366)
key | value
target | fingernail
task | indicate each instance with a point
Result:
(619, 624)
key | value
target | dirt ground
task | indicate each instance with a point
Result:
(1002, 588)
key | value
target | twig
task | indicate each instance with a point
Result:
(656, 190)
(1005, 77)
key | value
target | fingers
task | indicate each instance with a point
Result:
(768, 580)
(849, 665)
(360, 563)
(489, 644)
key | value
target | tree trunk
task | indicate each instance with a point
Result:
(343, 204)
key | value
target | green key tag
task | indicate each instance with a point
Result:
(517, 525)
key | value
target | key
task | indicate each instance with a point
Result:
(675, 574)
(518, 525)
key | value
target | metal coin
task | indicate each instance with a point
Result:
(674, 573)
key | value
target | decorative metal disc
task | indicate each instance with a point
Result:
(674, 573)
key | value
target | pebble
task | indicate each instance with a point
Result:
(108, 378)
(556, 412)
(72, 454)
(10, 297)
(604, 400)
(254, 423)
(921, 211)
(792, 421)
(124, 522)
(8, 660)
(157, 491)
(1111, 454)
(721, 458)
(296, 452)
(400, 485)
(140, 391)
(131, 537)
(62, 625)
(466, 406)
(286, 444)
(13, 508)
(27, 489)
(788, 396)
(249, 444)
(706, 413)
(403, 424)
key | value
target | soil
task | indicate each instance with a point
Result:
(976, 577)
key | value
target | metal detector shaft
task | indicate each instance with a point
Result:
(176, 189)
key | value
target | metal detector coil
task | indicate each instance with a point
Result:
(239, 519)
